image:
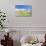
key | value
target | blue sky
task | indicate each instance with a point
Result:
(27, 7)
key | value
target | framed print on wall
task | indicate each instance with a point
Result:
(24, 10)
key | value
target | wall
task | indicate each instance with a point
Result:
(38, 13)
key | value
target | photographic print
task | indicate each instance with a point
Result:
(24, 10)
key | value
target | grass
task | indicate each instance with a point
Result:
(24, 13)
